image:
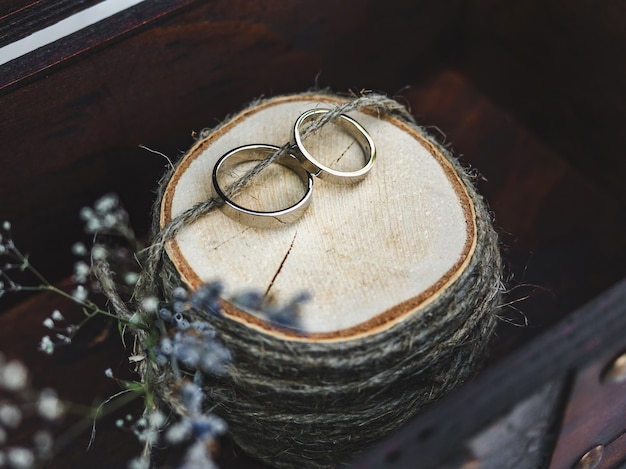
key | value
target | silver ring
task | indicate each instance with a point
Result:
(256, 218)
(314, 167)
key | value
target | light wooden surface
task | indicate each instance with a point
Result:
(369, 253)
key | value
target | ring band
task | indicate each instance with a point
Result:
(256, 218)
(314, 167)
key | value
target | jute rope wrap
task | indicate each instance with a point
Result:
(314, 404)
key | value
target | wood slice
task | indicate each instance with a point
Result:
(370, 254)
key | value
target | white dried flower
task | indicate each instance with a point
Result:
(43, 443)
(108, 373)
(46, 345)
(98, 252)
(93, 225)
(131, 278)
(178, 432)
(150, 304)
(139, 463)
(48, 322)
(63, 338)
(57, 316)
(109, 220)
(49, 406)
(80, 293)
(148, 436)
(106, 203)
(86, 213)
(6, 225)
(79, 249)
(156, 419)
(13, 376)
(10, 415)
(81, 272)
(20, 458)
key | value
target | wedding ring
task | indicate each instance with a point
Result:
(256, 218)
(314, 167)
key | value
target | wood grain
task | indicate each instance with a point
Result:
(23, 19)
(443, 429)
(370, 254)
(595, 414)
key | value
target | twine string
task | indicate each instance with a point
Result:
(314, 404)
(154, 253)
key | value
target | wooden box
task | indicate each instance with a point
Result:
(531, 94)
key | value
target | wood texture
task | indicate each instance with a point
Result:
(595, 414)
(67, 132)
(20, 19)
(39, 15)
(442, 430)
(370, 254)
(90, 109)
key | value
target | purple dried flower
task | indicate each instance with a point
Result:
(207, 297)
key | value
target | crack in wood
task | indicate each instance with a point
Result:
(343, 154)
(230, 239)
(282, 263)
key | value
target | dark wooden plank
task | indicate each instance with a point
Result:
(439, 432)
(595, 415)
(46, 58)
(12, 6)
(562, 235)
(21, 22)
(614, 456)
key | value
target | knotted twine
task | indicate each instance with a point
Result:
(316, 404)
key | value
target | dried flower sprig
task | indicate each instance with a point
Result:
(18, 401)
(286, 316)
(176, 339)
(108, 217)
(192, 344)
(13, 260)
